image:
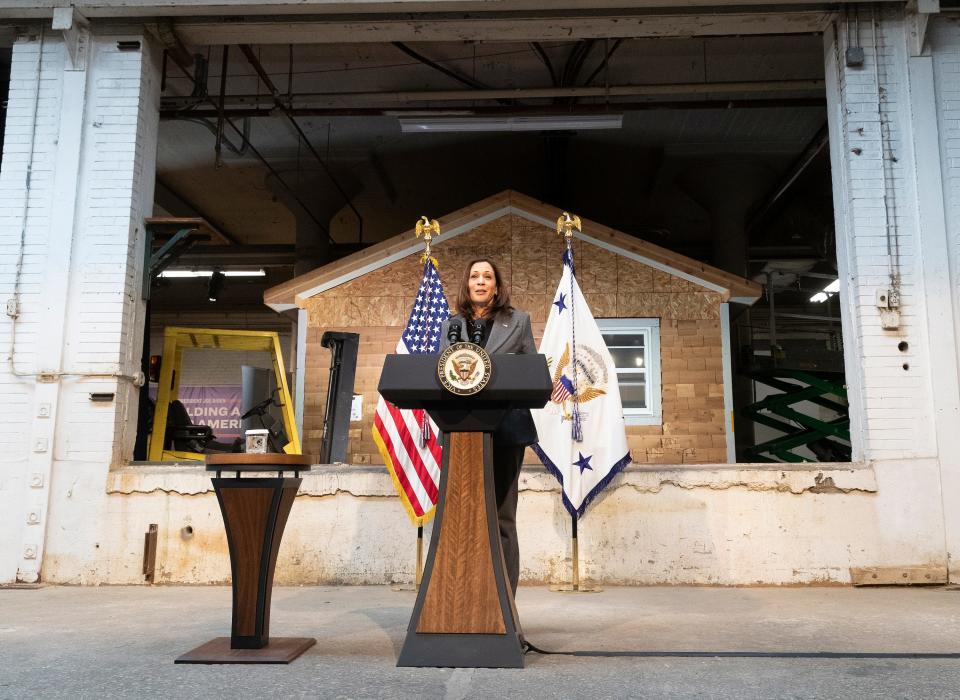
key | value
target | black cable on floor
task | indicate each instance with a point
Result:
(529, 647)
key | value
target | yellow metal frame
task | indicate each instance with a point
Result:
(176, 339)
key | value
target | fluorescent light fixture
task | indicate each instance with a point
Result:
(186, 273)
(432, 125)
(209, 273)
(827, 292)
(244, 273)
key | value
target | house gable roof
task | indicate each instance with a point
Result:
(293, 293)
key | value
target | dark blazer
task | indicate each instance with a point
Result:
(510, 333)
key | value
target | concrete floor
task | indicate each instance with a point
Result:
(121, 642)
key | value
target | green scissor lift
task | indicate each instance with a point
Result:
(800, 430)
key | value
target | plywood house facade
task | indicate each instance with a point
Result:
(371, 293)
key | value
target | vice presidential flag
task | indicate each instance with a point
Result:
(583, 441)
(407, 439)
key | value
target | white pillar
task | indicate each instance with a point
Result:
(75, 185)
(301, 333)
(889, 202)
(935, 104)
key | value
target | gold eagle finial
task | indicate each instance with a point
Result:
(428, 229)
(566, 223)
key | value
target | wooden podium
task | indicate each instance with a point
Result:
(465, 614)
(255, 510)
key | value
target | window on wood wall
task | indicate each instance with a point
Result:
(634, 344)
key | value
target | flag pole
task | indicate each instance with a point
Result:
(566, 223)
(418, 575)
(575, 586)
(576, 556)
(429, 229)
(565, 226)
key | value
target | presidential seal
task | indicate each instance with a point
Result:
(464, 369)
(578, 382)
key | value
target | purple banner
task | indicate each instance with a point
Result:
(216, 406)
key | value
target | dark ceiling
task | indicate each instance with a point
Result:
(722, 146)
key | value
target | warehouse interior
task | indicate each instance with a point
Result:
(714, 147)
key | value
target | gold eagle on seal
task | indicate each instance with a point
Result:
(564, 390)
(464, 365)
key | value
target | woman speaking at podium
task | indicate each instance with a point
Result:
(487, 318)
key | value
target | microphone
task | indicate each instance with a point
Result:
(453, 331)
(476, 332)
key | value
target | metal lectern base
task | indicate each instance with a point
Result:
(462, 651)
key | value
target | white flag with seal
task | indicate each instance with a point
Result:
(583, 440)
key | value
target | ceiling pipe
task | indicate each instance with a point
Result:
(218, 147)
(403, 98)
(799, 166)
(526, 110)
(538, 49)
(279, 104)
(166, 192)
(605, 62)
(449, 72)
(579, 53)
(212, 128)
(217, 112)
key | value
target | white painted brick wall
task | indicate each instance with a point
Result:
(105, 313)
(23, 99)
(102, 314)
(878, 192)
(33, 120)
(944, 37)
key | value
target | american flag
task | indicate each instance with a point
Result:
(408, 439)
(562, 390)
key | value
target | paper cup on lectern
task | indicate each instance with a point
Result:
(256, 441)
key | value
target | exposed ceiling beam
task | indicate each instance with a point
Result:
(403, 98)
(506, 28)
(273, 255)
(526, 110)
(225, 8)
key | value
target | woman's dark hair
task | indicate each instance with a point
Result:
(500, 304)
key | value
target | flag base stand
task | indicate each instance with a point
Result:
(570, 588)
(415, 586)
(576, 586)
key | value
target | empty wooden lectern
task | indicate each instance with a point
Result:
(255, 510)
(465, 614)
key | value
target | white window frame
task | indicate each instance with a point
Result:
(650, 329)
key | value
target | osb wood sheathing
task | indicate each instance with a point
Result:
(289, 293)
(377, 304)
